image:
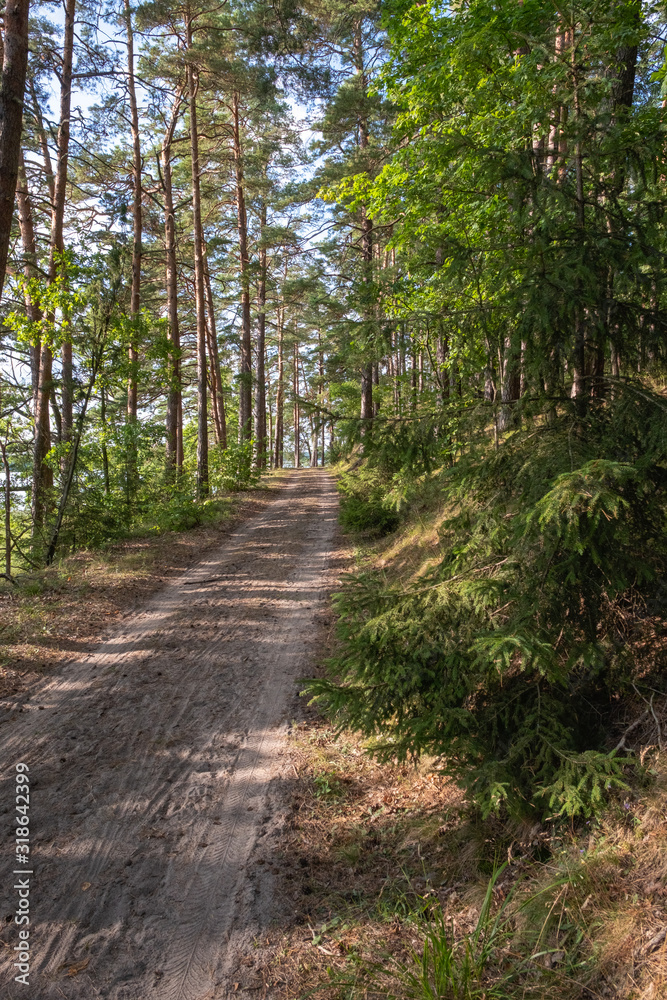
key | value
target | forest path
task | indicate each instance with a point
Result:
(150, 762)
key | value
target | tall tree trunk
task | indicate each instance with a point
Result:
(321, 374)
(623, 89)
(217, 395)
(579, 351)
(313, 443)
(297, 412)
(27, 227)
(245, 382)
(12, 90)
(622, 96)
(105, 453)
(279, 433)
(260, 392)
(173, 429)
(396, 364)
(269, 414)
(58, 209)
(200, 303)
(366, 410)
(41, 362)
(510, 384)
(441, 351)
(135, 294)
(42, 474)
(8, 512)
(43, 140)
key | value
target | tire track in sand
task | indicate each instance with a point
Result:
(152, 759)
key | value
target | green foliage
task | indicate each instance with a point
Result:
(505, 659)
(365, 505)
(580, 783)
(232, 469)
(468, 969)
(327, 786)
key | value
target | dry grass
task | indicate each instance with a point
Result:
(362, 858)
(370, 853)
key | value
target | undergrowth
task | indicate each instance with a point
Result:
(510, 654)
(99, 513)
(407, 896)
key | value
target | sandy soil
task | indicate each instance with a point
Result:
(78, 599)
(155, 766)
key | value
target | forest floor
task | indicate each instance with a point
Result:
(64, 611)
(159, 763)
(199, 832)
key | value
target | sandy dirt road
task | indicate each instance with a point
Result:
(151, 761)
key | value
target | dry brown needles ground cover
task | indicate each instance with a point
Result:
(372, 855)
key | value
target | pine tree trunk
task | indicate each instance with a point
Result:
(245, 381)
(366, 410)
(260, 392)
(579, 387)
(217, 394)
(8, 511)
(42, 474)
(41, 361)
(14, 66)
(135, 294)
(441, 351)
(105, 454)
(43, 141)
(510, 385)
(27, 228)
(173, 430)
(279, 433)
(58, 209)
(297, 414)
(313, 444)
(321, 393)
(200, 302)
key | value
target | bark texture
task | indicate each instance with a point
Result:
(260, 392)
(58, 208)
(279, 432)
(135, 295)
(245, 381)
(174, 430)
(297, 409)
(14, 65)
(217, 392)
(200, 301)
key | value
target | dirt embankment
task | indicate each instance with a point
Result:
(150, 764)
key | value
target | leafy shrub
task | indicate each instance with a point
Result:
(232, 469)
